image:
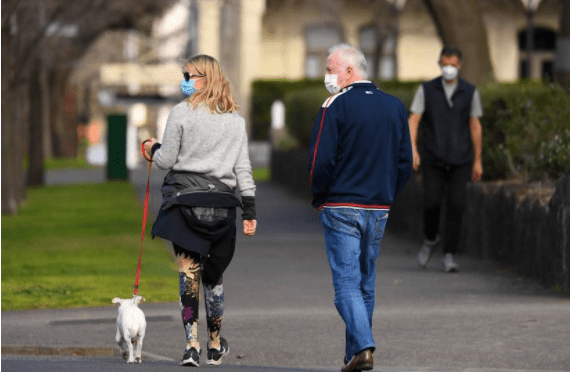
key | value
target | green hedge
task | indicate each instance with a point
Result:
(301, 110)
(302, 105)
(526, 130)
(264, 93)
(526, 125)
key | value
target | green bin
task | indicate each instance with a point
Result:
(117, 148)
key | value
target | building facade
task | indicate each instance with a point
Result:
(289, 39)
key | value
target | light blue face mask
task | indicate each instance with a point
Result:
(187, 87)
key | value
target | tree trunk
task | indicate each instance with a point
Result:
(9, 197)
(460, 22)
(13, 103)
(46, 105)
(21, 138)
(9, 201)
(382, 20)
(35, 150)
(562, 61)
(63, 126)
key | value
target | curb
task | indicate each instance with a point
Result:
(73, 351)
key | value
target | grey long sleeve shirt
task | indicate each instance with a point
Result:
(195, 140)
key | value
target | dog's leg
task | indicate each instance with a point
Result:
(129, 343)
(138, 350)
(119, 339)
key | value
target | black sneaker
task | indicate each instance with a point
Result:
(191, 358)
(215, 355)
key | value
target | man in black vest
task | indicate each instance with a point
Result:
(449, 109)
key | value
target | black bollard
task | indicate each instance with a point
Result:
(117, 147)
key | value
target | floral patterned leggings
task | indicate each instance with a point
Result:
(189, 268)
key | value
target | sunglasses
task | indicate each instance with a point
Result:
(188, 76)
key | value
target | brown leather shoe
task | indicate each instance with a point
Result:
(362, 361)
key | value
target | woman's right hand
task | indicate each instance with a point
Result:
(249, 227)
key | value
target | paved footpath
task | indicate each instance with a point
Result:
(280, 314)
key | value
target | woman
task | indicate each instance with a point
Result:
(205, 147)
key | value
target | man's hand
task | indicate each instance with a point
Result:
(249, 227)
(417, 160)
(477, 171)
(477, 137)
(414, 123)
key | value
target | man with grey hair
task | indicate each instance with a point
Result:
(360, 158)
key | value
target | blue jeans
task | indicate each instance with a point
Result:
(352, 239)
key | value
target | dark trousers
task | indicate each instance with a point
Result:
(439, 182)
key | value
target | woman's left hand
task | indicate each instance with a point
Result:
(249, 227)
(148, 146)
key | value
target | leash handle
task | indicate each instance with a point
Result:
(144, 152)
(145, 214)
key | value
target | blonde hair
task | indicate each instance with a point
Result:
(215, 93)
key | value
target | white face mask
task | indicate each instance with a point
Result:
(449, 72)
(331, 83)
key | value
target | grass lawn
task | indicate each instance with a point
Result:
(64, 163)
(78, 245)
(261, 174)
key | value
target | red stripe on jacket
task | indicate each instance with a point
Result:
(318, 140)
(354, 205)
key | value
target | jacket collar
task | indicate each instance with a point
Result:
(460, 84)
(357, 83)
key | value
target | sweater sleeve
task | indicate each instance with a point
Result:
(165, 157)
(242, 168)
(418, 104)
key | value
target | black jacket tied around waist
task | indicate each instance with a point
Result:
(197, 211)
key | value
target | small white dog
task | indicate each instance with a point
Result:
(131, 327)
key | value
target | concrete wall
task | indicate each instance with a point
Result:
(522, 226)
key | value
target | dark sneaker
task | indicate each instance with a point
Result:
(362, 361)
(191, 358)
(215, 355)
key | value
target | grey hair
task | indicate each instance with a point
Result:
(353, 56)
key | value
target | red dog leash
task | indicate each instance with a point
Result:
(145, 214)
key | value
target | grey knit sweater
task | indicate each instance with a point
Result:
(195, 140)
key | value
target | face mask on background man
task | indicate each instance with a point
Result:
(449, 72)
(331, 83)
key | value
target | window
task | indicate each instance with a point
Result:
(386, 69)
(543, 51)
(318, 40)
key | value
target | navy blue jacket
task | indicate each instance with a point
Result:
(360, 150)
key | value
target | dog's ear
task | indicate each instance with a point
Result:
(117, 300)
(139, 299)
